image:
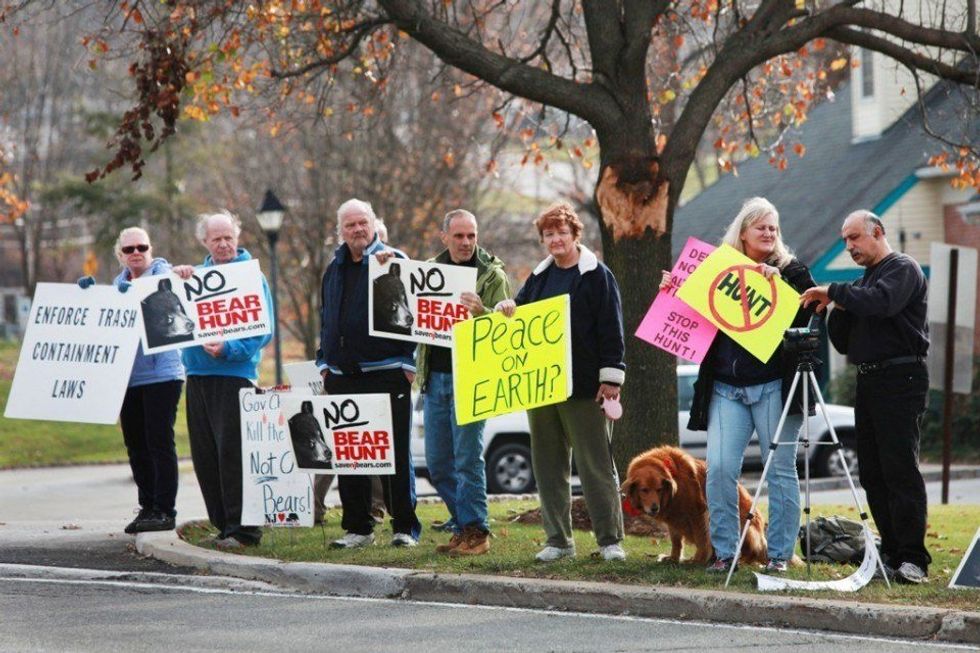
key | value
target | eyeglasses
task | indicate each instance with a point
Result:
(129, 249)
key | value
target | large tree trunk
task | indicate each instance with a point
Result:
(633, 201)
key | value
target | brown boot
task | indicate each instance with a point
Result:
(476, 542)
(450, 546)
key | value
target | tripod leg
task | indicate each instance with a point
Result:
(765, 472)
(850, 481)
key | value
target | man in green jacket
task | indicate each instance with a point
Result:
(454, 453)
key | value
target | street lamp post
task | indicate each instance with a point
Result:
(270, 217)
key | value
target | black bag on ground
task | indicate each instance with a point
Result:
(834, 539)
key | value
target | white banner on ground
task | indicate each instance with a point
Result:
(416, 301)
(274, 492)
(341, 434)
(223, 302)
(304, 377)
(77, 355)
(852, 583)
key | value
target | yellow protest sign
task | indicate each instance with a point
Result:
(729, 291)
(502, 365)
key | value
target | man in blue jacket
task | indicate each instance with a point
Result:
(353, 362)
(216, 372)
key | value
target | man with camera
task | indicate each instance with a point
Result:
(879, 321)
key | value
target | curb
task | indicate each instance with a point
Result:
(890, 621)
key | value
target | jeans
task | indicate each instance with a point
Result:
(454, 455)
(734, 414)
(887, 410)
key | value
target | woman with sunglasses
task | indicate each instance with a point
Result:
(150, 406)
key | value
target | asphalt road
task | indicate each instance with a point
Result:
(91, 614)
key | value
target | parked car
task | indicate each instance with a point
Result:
(507, 445)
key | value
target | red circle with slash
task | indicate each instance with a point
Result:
(747, 323)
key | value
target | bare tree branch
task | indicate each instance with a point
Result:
(962, 75)
(358, 32)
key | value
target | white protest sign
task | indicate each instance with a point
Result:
(223, 302)
(341, 434)
(304, 377)
(274, 493)
(77, 355)
(967, 574)
(416, 301)
(852, 583)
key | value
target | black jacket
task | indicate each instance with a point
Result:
(798, 276)
(597, 323)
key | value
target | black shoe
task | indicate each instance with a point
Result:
(133, 526)
(154, 521)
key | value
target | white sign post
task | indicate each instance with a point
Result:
(223, 302)
(77, 355)
(341, 434)
(416, 301)
(274, 492)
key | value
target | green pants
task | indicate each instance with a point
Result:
(557, 430)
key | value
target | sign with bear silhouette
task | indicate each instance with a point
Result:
(340, 434)
(222, 302)
(77, 354)
(417, 301)
(274, 492)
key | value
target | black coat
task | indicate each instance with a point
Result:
(798, 276)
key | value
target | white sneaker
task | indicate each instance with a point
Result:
(353, 541)
(552, 553)
(612, 552)
(403, 539)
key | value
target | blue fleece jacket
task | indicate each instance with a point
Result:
(240, 357)
(368, 352)
(151, 368)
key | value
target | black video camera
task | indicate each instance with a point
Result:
(803, 339)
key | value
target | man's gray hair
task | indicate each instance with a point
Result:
(204, 221)
(869, 219)
(455, 213)
(117, 248)
(354, 205)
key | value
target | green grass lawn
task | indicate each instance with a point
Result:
(514, 545)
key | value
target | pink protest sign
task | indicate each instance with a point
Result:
(672, 325)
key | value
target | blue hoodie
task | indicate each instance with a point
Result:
(151, 368)
(240, 357)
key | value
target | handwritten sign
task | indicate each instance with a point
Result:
(341, 434)
(77, 355)
(304, 377)
(223, 302)
(416, 301)
(274, 492)
(503, 365)
(967, 574)
(728, 289)
(672, 325)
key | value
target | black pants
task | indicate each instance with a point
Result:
(214, 425)
(887, 411)
(398, 489)
(147, 420)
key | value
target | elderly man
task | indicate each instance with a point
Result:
(879, 321)
(353, 362)
(453, 453)
(216, 372)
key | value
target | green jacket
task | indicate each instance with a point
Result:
(492, 286)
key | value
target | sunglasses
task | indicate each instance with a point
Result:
(129, 249)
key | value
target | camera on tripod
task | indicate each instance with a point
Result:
(803, 339)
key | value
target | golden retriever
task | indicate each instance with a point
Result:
(669, 485)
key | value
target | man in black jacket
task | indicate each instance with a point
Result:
(879, 321)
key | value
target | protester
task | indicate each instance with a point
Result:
(454, 453)
(598, 371)
(353, 362)
(879, 322)
(149, 408)
(736, 394)
(216, 372)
